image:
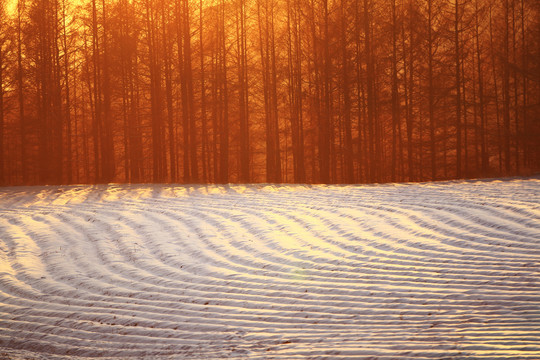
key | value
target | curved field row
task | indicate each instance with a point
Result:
(425, 271)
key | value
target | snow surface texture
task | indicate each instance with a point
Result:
(426, 271)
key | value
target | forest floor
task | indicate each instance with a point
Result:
(442, 270)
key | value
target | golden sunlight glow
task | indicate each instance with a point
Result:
(267, 91)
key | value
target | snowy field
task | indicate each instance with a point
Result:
(446, 270)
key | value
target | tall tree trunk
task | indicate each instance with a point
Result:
(363, 162)
(528, 149)
(479, 63)
(506, 87)
(315, 87)
(59, 110)
(408, 71)
(2, 121)
(167, 51)
(125, 101)
(215, 112)
(395, 95)
(188, 73)
(457, 55)
(180, 39)
(156, 108)
(108, 161)
(204, 126)
(274, 97)
(243, 92)
(325, 126)
(517, 136)
(295, 90)
(67, 111)
(431, 94)
(465, 125)
(20, 91)
(96, 93)
(370, 73)
(266, 48)
(348, 153)
(224, 126)
(495, 88)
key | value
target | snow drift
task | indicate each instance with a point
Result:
(425, 271)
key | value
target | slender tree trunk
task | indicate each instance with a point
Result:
(476, 127)
(370, 73)
(108, 160)
(294, 109)
(300, 176)
(506, 87)
(274, 97)
(180, 39)
(360, 91)
(79, 165)
(315, 106)
(266, 47)
(20, 92)
(2, 121)
(224, 126)
(188, 73)
(91, 107)
(479, 63)
(215, 114)
(458, 88)
(408, 71)
(96, 90)
(395, 94)
(431, 94)
(517, 136)
(125, 101)
(59, 109)
(348, 150)
(156, 108)
(495, 87)
(243, 93)
(204, 126)
(167, 51)
(527, 149)
(67, 116)
(465, 125)
(326, 126)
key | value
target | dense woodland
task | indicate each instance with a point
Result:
(307, 91)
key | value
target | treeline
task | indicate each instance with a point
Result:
(309, 91)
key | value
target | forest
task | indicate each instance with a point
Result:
(278, 91)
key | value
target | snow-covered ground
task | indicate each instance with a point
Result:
(446, 270)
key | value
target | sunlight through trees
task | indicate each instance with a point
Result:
(309, 91)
